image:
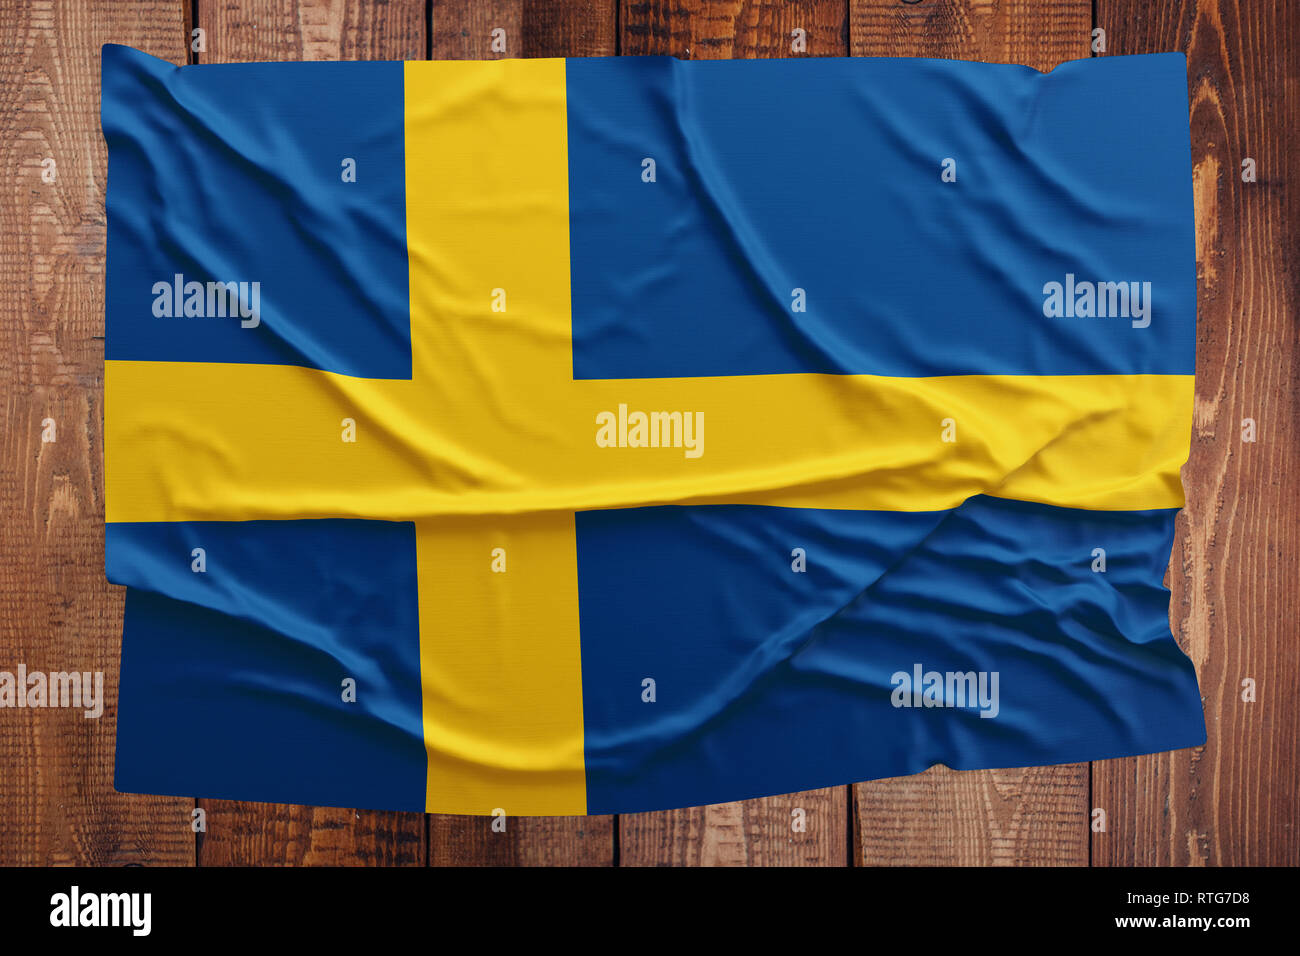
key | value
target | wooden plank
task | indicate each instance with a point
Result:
(1026, 817)
(799, 829)
(57, 611)
(720, 30)
(756, 832)
(251, 30)
(462, 29)
(570, 28)
(1237, 553)
(1037, 33)
(526, 841)
(240, 833)
(1022, 816)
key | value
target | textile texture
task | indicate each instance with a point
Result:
(607, 435)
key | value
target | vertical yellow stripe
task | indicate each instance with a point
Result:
(487, 210)
(500, 665)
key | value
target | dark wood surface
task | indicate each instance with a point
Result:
(1236, 560)
(1235, 572)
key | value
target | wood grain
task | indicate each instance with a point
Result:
(241, 833)
(526, 841)
(268, 834)
(251, 30)
(1029, 816)
(463, 29)
(1236, 561)
(720, 30)
(1037, 33)
(570, 28)
(57, 611)
(749, 833)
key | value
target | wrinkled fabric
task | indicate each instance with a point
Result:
(598, 436)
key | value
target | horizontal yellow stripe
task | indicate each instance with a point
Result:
(197, 441)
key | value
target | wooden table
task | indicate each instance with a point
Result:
(1235, 572)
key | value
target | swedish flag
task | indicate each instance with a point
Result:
(596, 436)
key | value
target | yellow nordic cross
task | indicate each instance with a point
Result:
(492, 443)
